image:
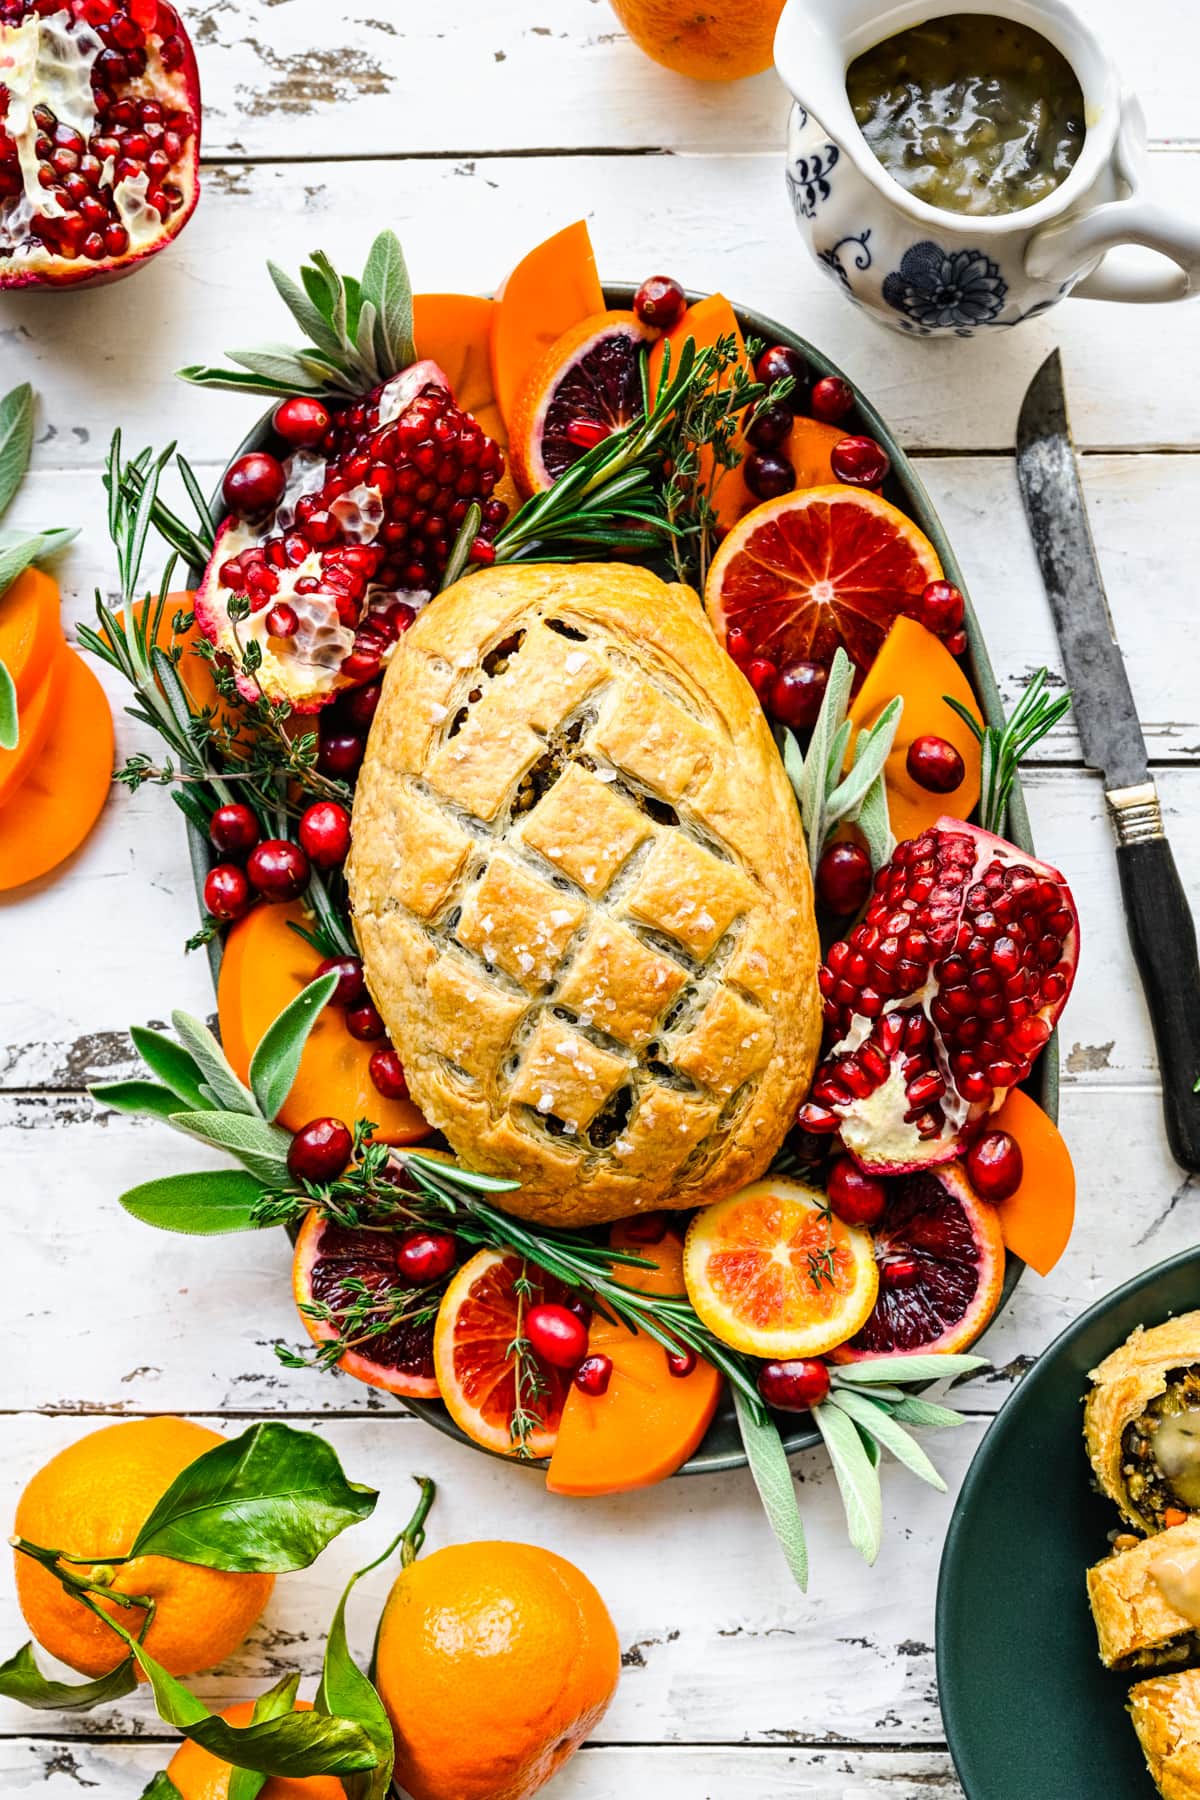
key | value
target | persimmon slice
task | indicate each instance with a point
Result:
(1037, 1220)
(472, 1353)
(30, 630)
(194, 670)
(551, 289)
(455, 331)
(264, 966)
(706, 324)
(809, 449)
(34, 720)
(62, 796)
(648, 1422)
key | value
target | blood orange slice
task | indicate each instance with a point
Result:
(477, 1369)
(940, 1251)
(336, 1268)
(773, 1272)
(587, 384)
(816, 569)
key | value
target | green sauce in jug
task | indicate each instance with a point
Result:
(970, 113)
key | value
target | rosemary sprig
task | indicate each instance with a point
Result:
(1003, 750)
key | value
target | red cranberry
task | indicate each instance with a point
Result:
(779, 363)
(797, 693)
(768, 476)
(387, 1072)
(360, 705)
(320, 1151)
(426, 1256)
(349, 971)
(325, 833)
(857, 1199)
(844, 877)
(226, 891)
(556, 1335)
(364, 1023)
(233, 829)
(831, 399)
(956, 643)
(646, 1228)
(794, 1386)
(282, 621)
(253, 484)
(761, 672)
(340, 754)
(278, 870)
(737, 643)
(593, 1376)
(860, 462)
(935, 765)
(680, 1363)
(769, 426)
(995, 1165)
(302, 421)
(941, 608)
(660, 301)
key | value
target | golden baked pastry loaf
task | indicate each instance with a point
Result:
(1135, 1595)
(1166, 1717)
(582, 896)
(1152, 1375)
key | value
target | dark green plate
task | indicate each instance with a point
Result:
(722, 1446)
(1029, 1712)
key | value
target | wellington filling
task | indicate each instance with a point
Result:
(1152, 1490)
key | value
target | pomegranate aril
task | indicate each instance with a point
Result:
(593, 1375)
(995, 1165)
(681, 1363)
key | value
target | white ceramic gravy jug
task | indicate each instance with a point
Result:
(922, 269)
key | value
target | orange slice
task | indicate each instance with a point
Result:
(64, 792)
(477, 1322)
(588, 383)
(706, 324)
(264, 966)
(917, 666)
(1037, 1220)
(771, 1271)
(649, 1421)
(30, 631)
(550, 290)
(809, 449)
(813, 570)
(329, 1264)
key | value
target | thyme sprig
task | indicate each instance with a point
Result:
(1003, 750)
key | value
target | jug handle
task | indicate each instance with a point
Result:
(1055, 252)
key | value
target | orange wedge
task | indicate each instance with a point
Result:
(30, 632)
(34, 720)
(477, 1322)
(1037, 1220)
(550, 290)
(707, 323)
(809, 449)
(64, 791)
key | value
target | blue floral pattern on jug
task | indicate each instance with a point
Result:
(832, 257)
(945, 290)
(808, 181)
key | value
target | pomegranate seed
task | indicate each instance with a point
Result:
(818, 1119)
(680, 1363)
(769, 426)
(844, 877)
(361, 665)
(301, 421)
(780, 363)
(426, 1256)
(233, 829)
(860, 462)
(737, 643)
(646, 1228)
(593, 1376)
(956, 643)
(935, 764)
(585, 434)
(995, 1165)
(767, 476)
(387, 1073)
(797, 693)
(320, 1151)
(351, 987)
(899, 1271)
(856, 1198)
(226, 892)
(324, 833)
(282, 621)
(364, 1022)
(761, 674)
(831, 399)
(556, 1335)
(660, 302)
(794, 1386)
(278, 869)
(253, 484)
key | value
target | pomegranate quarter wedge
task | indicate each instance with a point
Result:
(941, 998)
(99, 138)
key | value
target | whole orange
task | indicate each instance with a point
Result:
(495, 1661)
(712, 40)
(201, 1776)
(91, 1500)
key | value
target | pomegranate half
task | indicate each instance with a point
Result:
(99, 138)
(941, 998)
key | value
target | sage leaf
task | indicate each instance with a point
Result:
(16, 555)
(776, 1487)
(874, 1453)
(272, 362)
(204, 375)
(386, 285)
(259, 1147)
(267, 1501)
(10, 728)
(16, 441)
(161, 1787)
(308, 316)
(172, 1064)
(915, 1411)
(244, 1784)
(875, 823)
(856, 1478)
(276, 1060)
(886, 1430)
(142, 1097)
(205, 1204)
(888, 1369)
(222, 1084)
(21, 1679)
(344, 1690)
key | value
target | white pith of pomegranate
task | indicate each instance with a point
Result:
(358, 543)
(942, 997)
(99, 138)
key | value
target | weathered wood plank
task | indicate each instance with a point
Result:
(98, 363)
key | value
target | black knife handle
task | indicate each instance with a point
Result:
(1163, 937)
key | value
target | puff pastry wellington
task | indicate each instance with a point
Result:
(582, 895)
(1152, 1379)
(1166, 1717)
(1135, 1595)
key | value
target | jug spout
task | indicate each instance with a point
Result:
(810, 55)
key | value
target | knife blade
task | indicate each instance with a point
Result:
(1158, 917)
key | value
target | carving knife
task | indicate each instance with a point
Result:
(1159, 921)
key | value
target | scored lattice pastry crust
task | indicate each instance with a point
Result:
(582, 895)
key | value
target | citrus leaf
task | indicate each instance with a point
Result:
(776, 1487)
(856, 1477)
(161, 1787)
(10, 727)
(16, 441)
(276, 1059)
(172, 1064)
(223, 1085)
(144, 1097)
(204, 1204)
(888, 1369)
(267, 1501)
(345, 1690)
(259, 1147)
(889, 1432)
(21, 1679)
(244, 1784)
(915, 1411)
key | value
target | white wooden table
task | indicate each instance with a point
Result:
(474, 127)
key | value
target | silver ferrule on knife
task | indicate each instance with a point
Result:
(1135, 813)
